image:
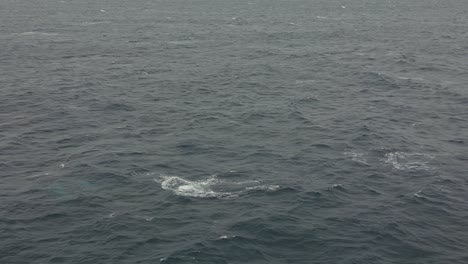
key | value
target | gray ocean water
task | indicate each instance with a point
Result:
(243, 131)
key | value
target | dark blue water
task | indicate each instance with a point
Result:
(203, 131)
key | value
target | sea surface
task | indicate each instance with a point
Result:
(241, 131)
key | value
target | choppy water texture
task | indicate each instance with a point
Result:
(202, 131)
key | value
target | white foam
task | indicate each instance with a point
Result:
(246, 182)
(226, 237)
(211, 187)
(37, 175)
(408, 161)
(357, 157)
(263, 188)
(184, 187)
(406, 78)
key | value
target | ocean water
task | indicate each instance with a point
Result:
(243, 131)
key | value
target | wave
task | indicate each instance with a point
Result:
(212, 187)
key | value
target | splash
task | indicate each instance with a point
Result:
(211, 187)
